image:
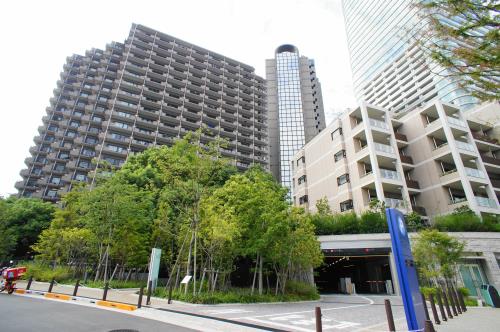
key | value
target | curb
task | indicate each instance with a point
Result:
(65, 297)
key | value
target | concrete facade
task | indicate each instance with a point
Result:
(431, 161)
(481, 249)
(147, 91)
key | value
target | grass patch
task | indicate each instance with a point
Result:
(116, 284)
(42, 272)
(295, 292)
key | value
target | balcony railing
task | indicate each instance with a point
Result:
(456, 122)
(474, 172)
(491, 160)
(419, 209)
(394, 203)
(412, 184)
(400, 137)
(456, 200)
(389, 174)
(378, 124)
(484, 138)
(464, 146)
(485, 202)
(406, 159)
(383, 148)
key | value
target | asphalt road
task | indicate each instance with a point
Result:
(24, 314)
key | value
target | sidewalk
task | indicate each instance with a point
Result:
(475, 319)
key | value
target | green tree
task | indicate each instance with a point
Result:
(468, 48)
(21, 221)
(414, 222)
(437, 255)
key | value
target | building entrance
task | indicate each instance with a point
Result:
(370, 272)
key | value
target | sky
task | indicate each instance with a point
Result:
(37, 36)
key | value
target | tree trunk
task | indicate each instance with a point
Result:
(128, 274)
(202, 280)
(255, 274)
(194, 263)
(114, 272)
(261, 263)
(188, 266)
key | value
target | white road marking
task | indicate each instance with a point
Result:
(226, 311)
(293, 328)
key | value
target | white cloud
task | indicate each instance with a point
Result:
(39, 35)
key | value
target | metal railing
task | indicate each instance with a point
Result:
(456, 122)
(389, 174)
(378, 124)
(464, 146)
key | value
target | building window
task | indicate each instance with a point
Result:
(83, 164)
(80, 177)
(302, 179)
(336, 132)
(59, 167)
(346, 205)
(339, 155)
(90, 140)
(343, 179)
(303, 199)
(52, 193)
(88, 152)
(301, 160)
(70, 133)
(63, 155)
(74, 124)
(55, 180)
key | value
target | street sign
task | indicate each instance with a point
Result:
(407, 274)
(186, 279)
(154, 267)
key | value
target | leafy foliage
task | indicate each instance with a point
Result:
(468, 48)
(436, 254)
(21, 221)
(466, 221)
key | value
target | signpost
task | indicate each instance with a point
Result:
(154, 268)
(407, 274)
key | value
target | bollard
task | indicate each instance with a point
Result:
(452, 303)
(150, 289)
(455, 299)
(141, 292)
(105, 294)
(428, 326)
(447, 305)
(30, 280)
(170, 293)
(319, 326)
(441, 308)
(462, 301)
(426, 311)
(51, 285)
(390, 317)
(434, 310)
(77, 284)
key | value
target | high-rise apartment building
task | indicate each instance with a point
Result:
(388, 67)
(145, 92)
(295, 108)
(431, 161)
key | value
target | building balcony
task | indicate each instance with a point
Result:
(485, 138)
(495, 183)
(490, 160)
(389, 174)
(465, 146)
(406, 159)
(486, 202)
(419, 209)
(395, 203)
(378, 124)
(456, 122)
(472, 172)
(412, 184)
(383, 148)
(400, 137)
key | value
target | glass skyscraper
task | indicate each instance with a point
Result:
(295, 104)
(388, 67)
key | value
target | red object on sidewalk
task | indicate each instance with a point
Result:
(13, 273)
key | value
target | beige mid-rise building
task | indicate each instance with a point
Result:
(431, 161)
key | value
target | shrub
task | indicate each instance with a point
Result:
(295, 292)
(466, 222)
(43, 272)
(464, 291)
(373, 222)
(428, 291)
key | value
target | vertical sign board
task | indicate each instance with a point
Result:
(154, 267)
(407, 274)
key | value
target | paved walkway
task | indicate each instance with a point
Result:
(475, 319)
(340, 312)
